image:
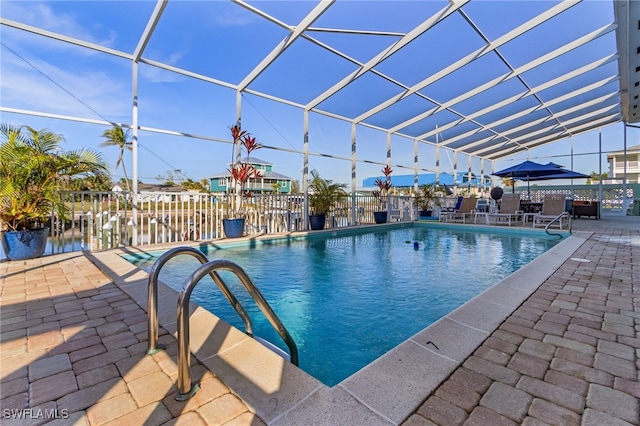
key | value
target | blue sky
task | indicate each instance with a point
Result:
(58, 78)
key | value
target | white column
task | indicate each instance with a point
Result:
(469, 173)
(572, 195)
(600, 172)
(624, 165)
(389, 149)
(134, 157)
(238, 158)
(305, 168)
(353, 173)
(482, 182)
(455, 169)
(438, 164)
(415, 165)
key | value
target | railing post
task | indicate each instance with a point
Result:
(185, 388)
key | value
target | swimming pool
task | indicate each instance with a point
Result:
(348, 299)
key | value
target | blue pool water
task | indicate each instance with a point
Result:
(346, 300)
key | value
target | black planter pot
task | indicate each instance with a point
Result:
(425, 213)
(233, 228)
(22, 245)
(380, 217)
(317, 221)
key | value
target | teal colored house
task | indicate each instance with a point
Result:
(262, 185)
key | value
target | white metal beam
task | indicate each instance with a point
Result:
(410, 36)
(468, 147)
(559, 135)
(519, 96)
(148, 31)
(545, 131)
(66, 39)
(507, 76)
(557, 9)
(286, 43)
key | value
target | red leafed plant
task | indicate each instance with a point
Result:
(384, 186)
(241, 172)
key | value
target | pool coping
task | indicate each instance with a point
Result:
(384, 392)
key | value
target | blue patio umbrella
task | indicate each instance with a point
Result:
(562, 174)
(529, 170)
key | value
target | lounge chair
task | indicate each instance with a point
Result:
(450, 204)
(509, 211)
(552, 207)
(467, 207)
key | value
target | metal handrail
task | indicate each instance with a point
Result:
(152, 302)
(555, 219)
(185, 388)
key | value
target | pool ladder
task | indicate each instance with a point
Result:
(185, 388)
(555, 219)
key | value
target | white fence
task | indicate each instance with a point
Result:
(104, 220)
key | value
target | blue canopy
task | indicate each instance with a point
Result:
(561, 174)
(531, 171)
(528, 169)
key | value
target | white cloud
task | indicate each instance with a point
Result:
(41, 15)
(24, 87)
(233, 17)
(158, 75)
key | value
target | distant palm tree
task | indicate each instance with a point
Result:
(507, 182)
(116, 136)
(198, 186)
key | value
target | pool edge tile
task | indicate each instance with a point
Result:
(333, 406)
(505, 295)
(266, 382)
(438, 339)
(480, 314)
(397, 382)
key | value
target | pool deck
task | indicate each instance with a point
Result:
(558, 342)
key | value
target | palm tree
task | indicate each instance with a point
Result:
(116, 136)
(33, 168)
(198, 186)
(325, 193)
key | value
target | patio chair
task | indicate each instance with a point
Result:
(394, 215)
(482, 205)
(467, 209)
(450, 204)
(509, 211)
(553, 206)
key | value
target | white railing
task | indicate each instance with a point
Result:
(104, 220)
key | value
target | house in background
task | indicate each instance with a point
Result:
(616, 165)
(262, 185)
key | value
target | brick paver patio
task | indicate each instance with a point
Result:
(72, 347)
(568, 356)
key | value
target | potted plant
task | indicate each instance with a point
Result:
(241, 174)
(325, 194)
(33, 169)
(426, 199)
(382, 195)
